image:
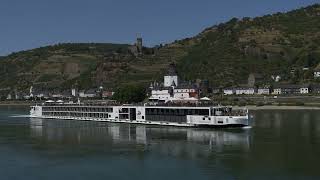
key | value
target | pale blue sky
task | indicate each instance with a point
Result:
(26, 24)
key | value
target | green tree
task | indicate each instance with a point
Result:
(130, 94)
(308, 75)
(298, 74)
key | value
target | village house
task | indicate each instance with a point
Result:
(185, 92)
(276, 78)
(229, 91)
(160, 94)
(41, 94)
(305, 69)
(215, 90)
(18, 95)
(26, 96)
(276, 90)
(291, 89)
(107, 94)
(181, 93)
(305, 89)
(315, 88)
(316, 74)
(264, 90)
(178, 93)
(57, 94)
(245, 90)
(91, 93)
(9, 96)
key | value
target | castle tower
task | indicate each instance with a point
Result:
(139, 45)
(171, 78)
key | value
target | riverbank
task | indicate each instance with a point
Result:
(250, 107)
(274, 107)
(17, 103)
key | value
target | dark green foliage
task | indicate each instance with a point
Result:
(48, 77)
(222, 59)
(242, 103)
(130, 94)
(260, 103)
(85, 80)
(299, 103)
(17, 70)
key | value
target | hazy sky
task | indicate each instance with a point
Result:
(26, 24)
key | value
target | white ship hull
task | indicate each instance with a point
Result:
(152, 115)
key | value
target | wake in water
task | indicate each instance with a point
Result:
(247, 127)
(21, 116)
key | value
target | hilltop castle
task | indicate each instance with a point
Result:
(137, 48)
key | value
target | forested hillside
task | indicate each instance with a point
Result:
(225, 54)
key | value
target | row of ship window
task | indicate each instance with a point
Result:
(177, 112)
(70, 114)
(81, 109)
(167, 118)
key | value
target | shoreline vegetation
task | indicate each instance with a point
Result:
(17, 103)
(275, 107)
(250, 107)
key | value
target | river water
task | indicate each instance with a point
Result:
(280, 145)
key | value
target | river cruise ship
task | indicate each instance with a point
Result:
(185, 116)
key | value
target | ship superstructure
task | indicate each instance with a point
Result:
(187, 116)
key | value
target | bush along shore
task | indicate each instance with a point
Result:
(252, 103)
(271, 102)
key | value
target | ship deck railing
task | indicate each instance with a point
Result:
(81, 104)
(182, 104)
(136, 104)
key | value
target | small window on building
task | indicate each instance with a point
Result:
(142, 117)
(203, 118)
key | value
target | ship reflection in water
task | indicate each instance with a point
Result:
(169, 140)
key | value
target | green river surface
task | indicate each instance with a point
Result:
(281, 144)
